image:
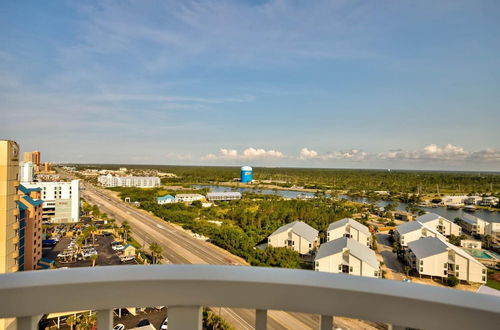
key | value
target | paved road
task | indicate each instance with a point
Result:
(393, 268)
(181, 248)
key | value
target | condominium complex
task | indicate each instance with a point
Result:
(349, 228)
(477, 226)
(9, 213)
(223, 196)
(296, 235)
(129, 181)
(348, 256)
(438, 223)
(431, 256)
(61, 200)
(412, 231)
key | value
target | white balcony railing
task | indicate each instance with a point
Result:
(186, 288)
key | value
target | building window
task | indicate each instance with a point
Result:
(310, 245)
(484, 278)
(457, 274)
(340, 267)
(375, 274)
(317, 263)
(421, 269)
(421, 262)
(456, 267)
(350, 269)
(484, 271)
(445, 265)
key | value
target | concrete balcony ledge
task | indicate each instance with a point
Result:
(185, 288)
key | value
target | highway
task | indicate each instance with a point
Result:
(180, 247)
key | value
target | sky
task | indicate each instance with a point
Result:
(341, 83)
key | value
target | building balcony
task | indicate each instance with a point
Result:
(15, 254)
(15, 198)
(185, 289)
(16, 183)
(15, 225)
(15, 212)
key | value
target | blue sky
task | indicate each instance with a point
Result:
(363, 84)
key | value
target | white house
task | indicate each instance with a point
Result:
(61, 200)
(188, 198)
(431, 256)
(412, 231)
(348, 256)
(349, 228)
(167, 199)
(296, 235)
(440, 224)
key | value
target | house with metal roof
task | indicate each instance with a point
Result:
(188, 198)
(477, 226)
(347, 256)
(442, 225)
(434, 257)
(296, 235)
(349, 228)
(412, 231)
(167, 199)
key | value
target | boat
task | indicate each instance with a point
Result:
(454, 206)
(470, 208)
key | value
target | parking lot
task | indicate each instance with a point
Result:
(106, 255)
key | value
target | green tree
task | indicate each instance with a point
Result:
(71, 321)
(93, 257)
(126, 230)
(487, 241)
(156, 252)
(407, 270)
(452, 281)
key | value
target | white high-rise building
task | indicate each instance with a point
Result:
(26, 172)
(129, 181)
(61, 200)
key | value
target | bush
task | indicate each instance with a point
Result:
(452, 281)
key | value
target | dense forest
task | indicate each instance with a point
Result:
(352, 180)
(247, 222)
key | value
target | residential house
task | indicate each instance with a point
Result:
(296, 235)
(347, 256)
(167, 199)
(349, 228)
(188, 198)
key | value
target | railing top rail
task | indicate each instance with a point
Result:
(409, 304)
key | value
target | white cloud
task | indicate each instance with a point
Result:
(247, 154)
(429, 152)
(307, 154)
(353, 154)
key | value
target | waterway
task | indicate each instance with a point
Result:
(442, 211)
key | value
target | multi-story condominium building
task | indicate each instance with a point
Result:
(296, 235)
(9, 214)
(348, 256)
(412, 231)
(476, 226)
(455, 200)
(129, 181)
(33, 157)
(440, 224)
(61, 200)
(188, 198)
(30, 207)
(223, 196)
(349, 228)
(431, 256)
(167, 199)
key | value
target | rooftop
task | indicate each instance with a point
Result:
(355, 248)
(341, 223)
(408, 227)
(429, 217)
(427, 246)
(300, 228)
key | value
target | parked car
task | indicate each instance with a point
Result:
(119, 327)
(164, 324)
(143, 323)
(127, 258)
(117, 247)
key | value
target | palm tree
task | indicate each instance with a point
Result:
(156, 252)
(93, 257)
(92, 229)
(89, 321)
(71, 321)
(126, 230)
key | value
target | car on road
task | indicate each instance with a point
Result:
(164, 324)
(119, 327)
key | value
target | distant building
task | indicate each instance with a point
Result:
(30, 233)
(223, 196)
(129, 181)
(26, 172)
(246, 174)
(188, 198)
(61, 200)
(296, 235)
(475, 226)
(432, 256)
(349, 228)
(347, 256)
(473, 200)
(489, 201)
(442, 225)
(455, 200)
(167, 199)
(403, 215)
